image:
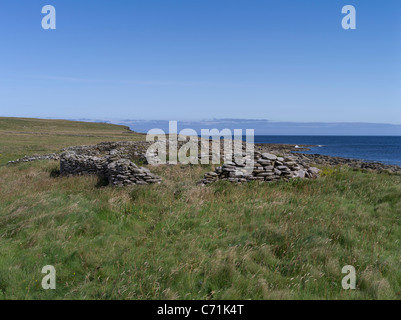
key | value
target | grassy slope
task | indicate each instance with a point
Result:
(20, 137)
(180, 240)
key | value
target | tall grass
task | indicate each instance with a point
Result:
(179, 240)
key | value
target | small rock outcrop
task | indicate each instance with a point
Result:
(267, 167)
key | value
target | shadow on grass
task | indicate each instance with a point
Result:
(54, 173)
(102, 182)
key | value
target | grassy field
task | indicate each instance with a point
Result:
(179, 240)
(20, 137)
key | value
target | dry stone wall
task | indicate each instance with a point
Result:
(267, 167)
(52, 156)
(124, 172)
(115, 161)
(106, 162)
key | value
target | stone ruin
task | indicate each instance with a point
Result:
(109, 161)
(267, 167)
(116, 163)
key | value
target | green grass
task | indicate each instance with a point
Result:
(20, 136)
(179, 240)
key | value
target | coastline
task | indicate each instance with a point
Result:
(319, 159)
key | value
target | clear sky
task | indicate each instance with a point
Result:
(287, 60)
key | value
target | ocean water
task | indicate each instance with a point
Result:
(379, 148)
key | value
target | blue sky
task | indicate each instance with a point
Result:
(287, 60)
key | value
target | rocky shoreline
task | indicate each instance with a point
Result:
(324, 160)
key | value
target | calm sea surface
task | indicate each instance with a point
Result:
(381, 149)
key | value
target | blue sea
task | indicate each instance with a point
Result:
(377, 149)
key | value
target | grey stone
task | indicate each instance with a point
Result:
(269, 156)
